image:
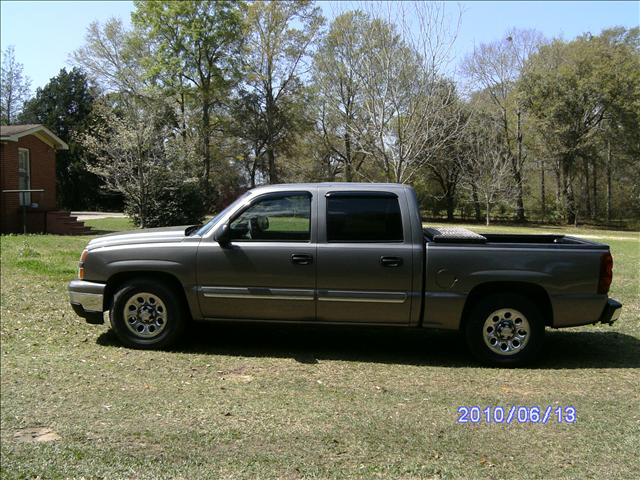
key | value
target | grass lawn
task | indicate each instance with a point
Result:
(285, 402)
(109, 225)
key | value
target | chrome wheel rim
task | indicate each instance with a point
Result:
(506, 331)
(145, 315)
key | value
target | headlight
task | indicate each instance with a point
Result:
(83, 257)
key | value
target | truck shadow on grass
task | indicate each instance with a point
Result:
(306, 344)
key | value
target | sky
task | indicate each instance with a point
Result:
(44, 33)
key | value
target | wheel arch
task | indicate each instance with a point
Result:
(118, 279)
(532, 291)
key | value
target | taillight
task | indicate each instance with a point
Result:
(83, 257)
(606, 273)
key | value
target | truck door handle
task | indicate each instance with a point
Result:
(301, 259)
(390, 261)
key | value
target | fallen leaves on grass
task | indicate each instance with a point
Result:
(39, 434)
(240, 378)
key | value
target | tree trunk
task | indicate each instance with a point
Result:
(609, 186)
(476, 203)
(450, 205)
(270, 113)
(271, 161)
(520, 216)
(141, 205)
(254, 166)
(595, 189)
(558, 172)
(517, 172)
(488, 213)
(183, 115)
(348, 173)
(587, 183)
(567, 191)
(543, 200)
(206, 149)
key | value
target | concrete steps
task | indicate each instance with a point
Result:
(63, 223)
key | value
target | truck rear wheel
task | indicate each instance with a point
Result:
(147, 314)
(504, 330)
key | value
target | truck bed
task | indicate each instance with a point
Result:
(452, 236)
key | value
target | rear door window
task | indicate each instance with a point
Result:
(363, 218)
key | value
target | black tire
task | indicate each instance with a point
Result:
(482, 329)
(173, 314)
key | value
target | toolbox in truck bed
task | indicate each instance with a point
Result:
(453, 235)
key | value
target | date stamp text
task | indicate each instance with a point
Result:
(517, 414)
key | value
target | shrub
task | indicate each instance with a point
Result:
(168, 205)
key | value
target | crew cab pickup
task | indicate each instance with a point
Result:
(344, 253)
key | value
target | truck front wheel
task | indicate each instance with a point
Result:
(146, 314)
(504, 330)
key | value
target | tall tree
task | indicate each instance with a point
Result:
(619, 139)
(280, 39)
(64, 106)
(247, 125)
(14, 87)
(572, 88)
(485, 174)
(198, 43)
(112, 56)
(405, 90)
(495, 68)
(337, 76)
(446, 167)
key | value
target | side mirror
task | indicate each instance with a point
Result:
(223, 235)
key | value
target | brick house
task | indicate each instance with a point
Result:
(28, 162)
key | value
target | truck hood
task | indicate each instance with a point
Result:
(137, 237)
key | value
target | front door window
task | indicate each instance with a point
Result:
(277, 218)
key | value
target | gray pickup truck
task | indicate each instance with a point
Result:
(344, 253)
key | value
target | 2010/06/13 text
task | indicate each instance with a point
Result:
(517, 414)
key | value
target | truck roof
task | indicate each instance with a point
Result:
(337, 185)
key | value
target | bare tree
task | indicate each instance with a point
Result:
(111, 57)
(485, 174)
(495, 67)
(445, 167)
(14, 87)
(405, 91)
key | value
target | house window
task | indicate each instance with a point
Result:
(24, 176)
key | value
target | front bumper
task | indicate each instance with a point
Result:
(87, 300)
(611, 312)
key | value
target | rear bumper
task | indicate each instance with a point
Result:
(87, 300)
(611, 312)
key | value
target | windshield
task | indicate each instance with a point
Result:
(211, 223)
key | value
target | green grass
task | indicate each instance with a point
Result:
(278, 402)
(113, 224)
(290, 224)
